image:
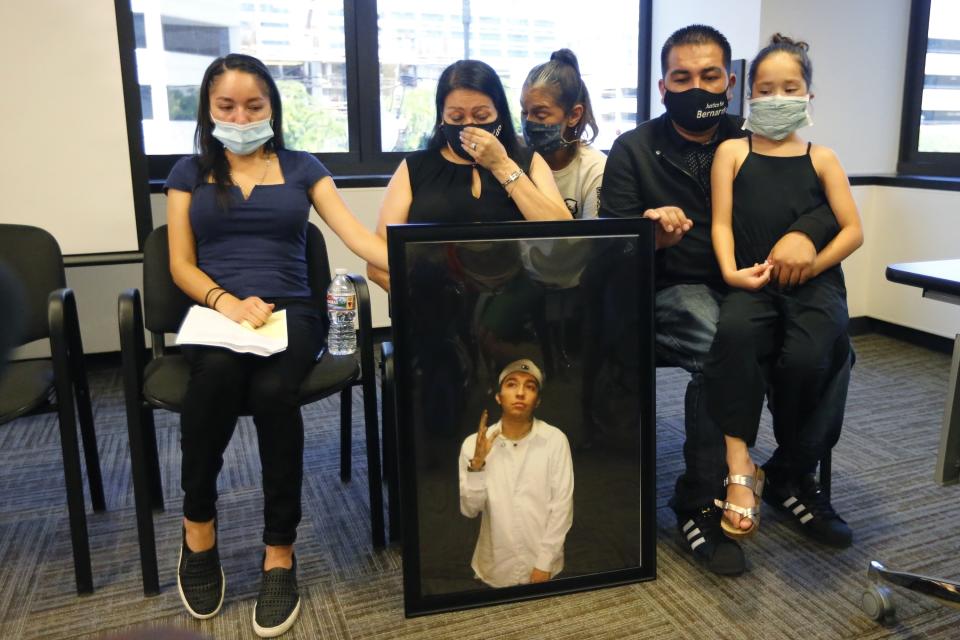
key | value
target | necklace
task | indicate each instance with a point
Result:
(246, 193)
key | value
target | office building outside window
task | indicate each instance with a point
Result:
(417, 40)
(301, 41)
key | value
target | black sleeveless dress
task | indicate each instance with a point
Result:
(770, 194)
(442, 190)
(800, 331)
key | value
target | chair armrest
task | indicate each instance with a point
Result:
(133, 349)
(365, 336)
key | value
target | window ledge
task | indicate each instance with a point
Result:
(938, 183)
(343, 182)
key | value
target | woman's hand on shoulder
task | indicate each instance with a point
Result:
(252, 310)
(485, 148)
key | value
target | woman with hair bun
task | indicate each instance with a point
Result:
(556, 113)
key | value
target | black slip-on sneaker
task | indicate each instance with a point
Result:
(200, 580)
(278, 603)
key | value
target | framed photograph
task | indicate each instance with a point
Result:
(524, 369)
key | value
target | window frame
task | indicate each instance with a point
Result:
(365, 160)
(911, 160)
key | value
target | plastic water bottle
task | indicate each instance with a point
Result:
(342, 308)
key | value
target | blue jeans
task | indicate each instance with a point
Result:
(686, 322)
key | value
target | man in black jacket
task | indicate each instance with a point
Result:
(661, 171)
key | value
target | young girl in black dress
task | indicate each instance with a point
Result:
(761, 185)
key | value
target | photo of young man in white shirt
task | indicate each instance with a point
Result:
(518, 474)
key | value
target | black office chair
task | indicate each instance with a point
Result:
(159, 380)
(30, 387)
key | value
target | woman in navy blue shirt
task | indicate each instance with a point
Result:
(237, 215)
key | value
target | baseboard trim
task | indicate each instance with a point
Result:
(863, 325)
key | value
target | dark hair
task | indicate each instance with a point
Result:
(476, 76)
(210, 154)
(695, 34)
(781, 43)
(562, 75)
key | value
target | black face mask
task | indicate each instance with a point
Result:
(452, 133)
(695, 109)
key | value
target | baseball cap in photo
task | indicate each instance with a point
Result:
(524, 365)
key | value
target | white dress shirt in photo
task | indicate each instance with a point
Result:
(525, 493)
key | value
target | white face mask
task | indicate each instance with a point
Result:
(776, 117)
(242, 139)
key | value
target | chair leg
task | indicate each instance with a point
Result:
(374, 477)
(825, 472)
(346, 434)
(142, 495)
(390, 468)
(151, 458)
(79, 538)
(89, 436)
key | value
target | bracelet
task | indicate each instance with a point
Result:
(217, 299)
(513, 177)
(207, 296)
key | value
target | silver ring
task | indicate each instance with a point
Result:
(474, 146)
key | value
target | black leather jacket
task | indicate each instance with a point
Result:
(645, 170)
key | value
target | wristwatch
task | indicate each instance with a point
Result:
(513, 177)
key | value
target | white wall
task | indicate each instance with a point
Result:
(66, 164)
(903, 225)
(738, 20)
(858, 49)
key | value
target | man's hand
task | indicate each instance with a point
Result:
(539, 576)
(750, 278)
(672, 225)
(792, 258)
(483, 445)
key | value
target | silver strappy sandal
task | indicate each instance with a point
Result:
(753, 482)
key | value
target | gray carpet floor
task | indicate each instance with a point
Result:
(883, 485)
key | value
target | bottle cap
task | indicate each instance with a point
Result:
(341, 271)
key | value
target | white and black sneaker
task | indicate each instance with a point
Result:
(200, 580)
(278, 603)
(702, 536)
(809, 506)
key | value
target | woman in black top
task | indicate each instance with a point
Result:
(473, 169)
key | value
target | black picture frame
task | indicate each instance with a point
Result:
(577, 298)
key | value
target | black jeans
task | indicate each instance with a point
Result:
(687, 318)
(795, 331)
(224, 385)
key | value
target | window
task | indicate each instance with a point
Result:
(407, 112)
(930, 134)
(197, 39)
(358, 77)
(139, 31)
(146, 101)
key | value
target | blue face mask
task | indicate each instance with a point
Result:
(544, 138)
(776, 117)
(242, 139)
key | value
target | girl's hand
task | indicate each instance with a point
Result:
(252, 310)
(750, 278)
(485, 148)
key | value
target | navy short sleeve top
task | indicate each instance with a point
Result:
(259, 246)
